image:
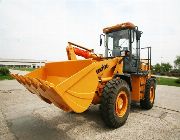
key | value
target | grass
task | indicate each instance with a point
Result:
(24, 69)
(6, 77)
(167, 81)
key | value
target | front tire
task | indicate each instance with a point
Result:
(115, 103)
(149, 95)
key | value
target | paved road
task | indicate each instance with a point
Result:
(166, 76)
(24, 116)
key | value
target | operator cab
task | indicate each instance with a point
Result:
(117, 43)
(123, 40)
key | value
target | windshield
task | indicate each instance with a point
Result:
(116, 42)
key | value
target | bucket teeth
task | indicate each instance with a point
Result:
(34, 83)
(28, 82)
(44, 89)
(39, 87)
(36, 86)
(44, 85)
(22, 79)
(16, 76)
(12, 75)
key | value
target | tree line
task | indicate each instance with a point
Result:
(167, 68)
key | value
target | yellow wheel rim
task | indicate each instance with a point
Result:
(121, 104)
(151, 94)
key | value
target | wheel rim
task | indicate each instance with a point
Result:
(121, 104)
(151, 94)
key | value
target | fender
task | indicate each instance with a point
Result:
(126, 77)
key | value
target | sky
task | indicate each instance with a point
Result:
(40, 29)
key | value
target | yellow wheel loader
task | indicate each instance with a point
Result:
(113, 80)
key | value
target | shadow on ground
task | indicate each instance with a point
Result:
(41, 125)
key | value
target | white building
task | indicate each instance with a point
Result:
(27, 63)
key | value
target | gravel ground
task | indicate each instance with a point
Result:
(24, 116)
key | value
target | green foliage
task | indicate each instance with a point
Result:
(157, 68)
(24, 69)
(178, 81)
(4, 71)
(162, 68)
(167, 81)
(166, 67)
(6, 77)
(177, 62)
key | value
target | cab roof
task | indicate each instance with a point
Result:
(126, 25)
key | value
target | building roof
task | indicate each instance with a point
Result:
(22, 60)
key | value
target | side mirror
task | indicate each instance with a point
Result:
(101, 38)
(138, 34)
(100, 41)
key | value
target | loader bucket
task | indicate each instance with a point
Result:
(70, 85)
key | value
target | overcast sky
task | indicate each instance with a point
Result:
(40, 29)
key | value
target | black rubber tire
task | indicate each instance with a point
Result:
(108, 101)
(146, 103)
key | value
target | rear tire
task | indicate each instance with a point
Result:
(149, 95)
(115, 103)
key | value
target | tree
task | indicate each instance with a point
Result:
(166, 67)
(177, 62)
(162, 68)
(157, 68)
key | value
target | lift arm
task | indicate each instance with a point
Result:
(80, 51)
